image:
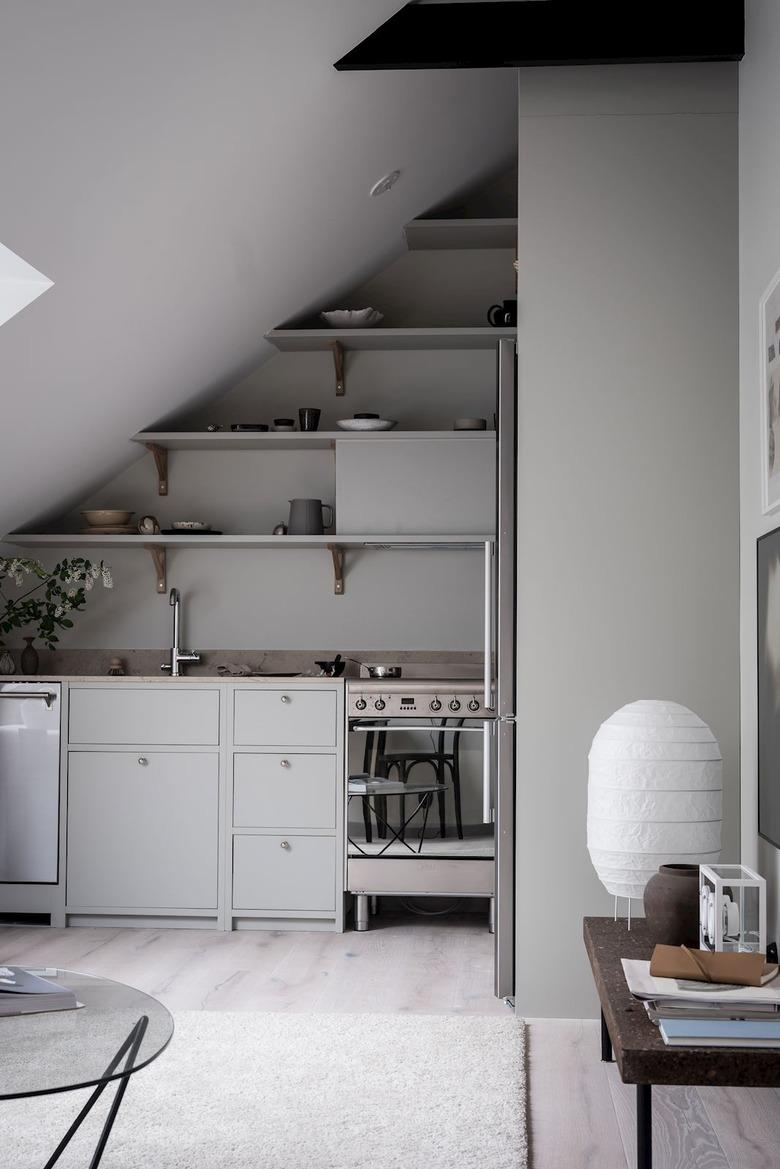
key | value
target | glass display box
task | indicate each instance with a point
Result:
(732, 909)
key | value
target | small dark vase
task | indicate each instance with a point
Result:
(29, 659)
(672, 905)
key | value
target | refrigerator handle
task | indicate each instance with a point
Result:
(488, 647)
(487, 770)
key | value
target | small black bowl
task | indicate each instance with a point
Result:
(365, 415)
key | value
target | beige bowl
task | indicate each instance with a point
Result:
(106, 517)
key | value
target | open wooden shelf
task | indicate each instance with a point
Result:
(303, 340)
(455, 234)
(230, 440)
(158, 546)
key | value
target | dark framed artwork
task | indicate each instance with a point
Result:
(768, 599)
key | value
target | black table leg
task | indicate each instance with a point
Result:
(644, 1126)
(606, 1042)
(128, 1051)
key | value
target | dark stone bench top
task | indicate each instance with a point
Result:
(641, 1055)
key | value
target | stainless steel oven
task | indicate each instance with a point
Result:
(420, 789)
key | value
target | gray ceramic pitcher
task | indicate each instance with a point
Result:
(307, 517)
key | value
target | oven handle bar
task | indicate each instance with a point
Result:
(487, 803)
(421, 727)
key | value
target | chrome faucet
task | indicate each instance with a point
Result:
(177, 655)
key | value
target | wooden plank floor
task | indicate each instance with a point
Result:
(581, 1115)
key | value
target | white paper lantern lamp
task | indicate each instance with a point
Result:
(654, 794)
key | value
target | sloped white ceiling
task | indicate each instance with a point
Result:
(190, 173)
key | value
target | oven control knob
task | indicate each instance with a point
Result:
(361, 704)
(379, 704)
(454, 704)
(435, 704)
(473, 704)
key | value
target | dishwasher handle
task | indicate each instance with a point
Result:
(46, 696)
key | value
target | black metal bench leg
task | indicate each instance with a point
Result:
(606, 1042)
(644, 1126)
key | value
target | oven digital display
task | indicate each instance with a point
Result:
(407, 702)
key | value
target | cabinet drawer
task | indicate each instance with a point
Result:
(287, 873)
(143, 835)
(302, 718)
(284, 791)
(154, 715)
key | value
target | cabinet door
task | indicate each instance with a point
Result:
(168, 715)
(292, 874)
(302, 718)
(142, 830)
(284, 791)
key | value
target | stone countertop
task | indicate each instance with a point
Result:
(202, 679)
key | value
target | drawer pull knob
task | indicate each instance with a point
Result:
(285, 698)
(285, 844)
(285, 763)
(142, 761)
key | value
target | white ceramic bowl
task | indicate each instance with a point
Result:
(353, 318)
(366, 424)
(106, 517)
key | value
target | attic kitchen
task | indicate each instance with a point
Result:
(347, 506)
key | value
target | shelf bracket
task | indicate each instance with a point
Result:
(160, 456)
(159, 558)
(338, 362)
(337, 552)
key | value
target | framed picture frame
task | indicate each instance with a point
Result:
(768, 684)
(769, 377)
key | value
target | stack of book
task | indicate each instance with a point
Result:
(24, 993)
(706, 1014)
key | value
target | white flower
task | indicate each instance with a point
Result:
(89, 582)
(95, 571)
(59, 611)
(71, 593)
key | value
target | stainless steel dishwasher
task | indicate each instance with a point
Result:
(29, 781)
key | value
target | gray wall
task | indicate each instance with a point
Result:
(759, 100)
(628, 467)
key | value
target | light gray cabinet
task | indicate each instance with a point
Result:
(271, 717)
(288, 874)
(143, 830)
(282, 791)
(286, 861)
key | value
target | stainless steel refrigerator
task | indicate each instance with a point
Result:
(500, 631)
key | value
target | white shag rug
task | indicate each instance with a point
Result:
(250, 1090)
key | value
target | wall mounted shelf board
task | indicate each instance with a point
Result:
(158, 546)
(457, 234)
(302, 340)
(224, 440)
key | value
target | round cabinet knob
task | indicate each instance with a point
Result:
(473, 704)
(454, 704)
(285, 763)
(285, 844)
(285, 698)
(379, 704)
(143, 761)
(435, 704)
(361, 704)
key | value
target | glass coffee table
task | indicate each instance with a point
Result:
(116, 1032)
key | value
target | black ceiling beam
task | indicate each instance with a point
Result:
(553, 32)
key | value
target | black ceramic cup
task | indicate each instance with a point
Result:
(309, 418)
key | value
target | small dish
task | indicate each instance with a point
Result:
(190, 526)
(208, 531)
(106, 517)
(353, 318)
(366, 424)
(256, 426)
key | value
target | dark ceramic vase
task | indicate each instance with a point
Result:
(29, 660)
(672, 905)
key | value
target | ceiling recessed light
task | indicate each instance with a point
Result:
(385, 183)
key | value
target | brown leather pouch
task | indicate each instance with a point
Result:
(703, 966)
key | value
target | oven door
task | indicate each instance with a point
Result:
(420, 807)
